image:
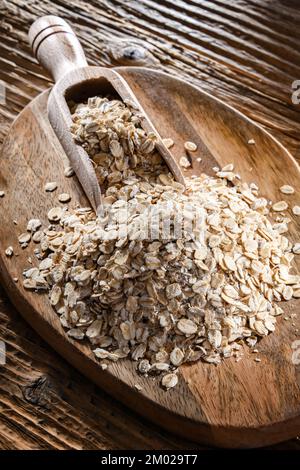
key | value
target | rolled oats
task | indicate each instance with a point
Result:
(168, 142)
(51, 186)
(296, 210)
(139, 283)
(186, 326)
(287, 189)
(169, 381)
(33, 225)
(9, 251)
(280, 206)
(55, 214)
(190, 146)
(64, 197)
(68, 172)
(296, 249)
(184, 162)
(24, 238)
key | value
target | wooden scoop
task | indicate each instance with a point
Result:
(237, 404)
(57, 48)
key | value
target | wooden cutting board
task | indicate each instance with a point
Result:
(235, 404)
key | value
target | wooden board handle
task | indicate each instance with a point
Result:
(56, 46)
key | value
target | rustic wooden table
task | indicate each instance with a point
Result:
(243, 51)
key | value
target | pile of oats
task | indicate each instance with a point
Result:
(168, 274)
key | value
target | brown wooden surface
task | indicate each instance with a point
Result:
(44, 403)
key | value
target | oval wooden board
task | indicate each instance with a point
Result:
(236, 404)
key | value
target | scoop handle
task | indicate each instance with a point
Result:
(56, 46)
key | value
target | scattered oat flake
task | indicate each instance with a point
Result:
(64, 197)
(190, 146)
(184, 162)
(296, 210)
(287, 189)
(168, 142)
(280, 206)
(251, 142)
(51, 186)
(2, 193)
(169, 381)
(68, 172)
(296, 249)
(9, 251)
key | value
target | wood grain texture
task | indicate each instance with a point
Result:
(210, 52)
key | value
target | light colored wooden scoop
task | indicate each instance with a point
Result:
(57, 48)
